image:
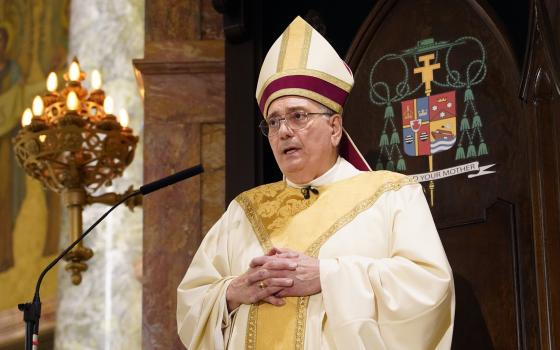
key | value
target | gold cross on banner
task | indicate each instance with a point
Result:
(427, 71)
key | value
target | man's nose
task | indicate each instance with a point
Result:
(284, 130)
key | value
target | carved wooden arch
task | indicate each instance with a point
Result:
(540, 89)
(486, 223)
(542, 58)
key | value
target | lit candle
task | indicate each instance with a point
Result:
(38, 106)
(52, 82)
(42, 138)
(95, 80)
(72, 101)
(26, 117)
(123, 117)
(74, 71)
(108, 105)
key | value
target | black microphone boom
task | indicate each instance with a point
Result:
(32, 311)
(171, 179)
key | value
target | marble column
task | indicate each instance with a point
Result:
(183, 76)
(104, 311)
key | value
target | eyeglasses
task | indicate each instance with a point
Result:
(294, 120)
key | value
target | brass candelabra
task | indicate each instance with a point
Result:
(73, 144)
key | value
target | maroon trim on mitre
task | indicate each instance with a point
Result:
(348, 69)
(351, 153)
(317, 85)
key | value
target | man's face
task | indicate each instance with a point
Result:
(307, 153)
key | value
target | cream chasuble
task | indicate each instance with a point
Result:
(385, 280)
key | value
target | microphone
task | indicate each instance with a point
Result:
(32, 310)
(171, 179)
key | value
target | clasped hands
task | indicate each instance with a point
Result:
(280, 273)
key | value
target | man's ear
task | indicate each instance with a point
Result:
(336, 125)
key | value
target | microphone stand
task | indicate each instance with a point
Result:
(32, 310)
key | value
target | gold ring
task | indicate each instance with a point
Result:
(262, 285)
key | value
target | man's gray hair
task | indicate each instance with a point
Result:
(327, 110)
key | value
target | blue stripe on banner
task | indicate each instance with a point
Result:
(441, 145)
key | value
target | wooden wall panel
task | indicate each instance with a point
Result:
(485, 222)
(540, 89)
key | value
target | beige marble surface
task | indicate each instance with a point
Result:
(213, 186)
(104, 312)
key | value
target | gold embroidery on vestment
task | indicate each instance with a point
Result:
(268, 219)
(251, 341)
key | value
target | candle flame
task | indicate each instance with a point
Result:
(108, 105)
(42, 138)
(72, 101)
(123, 117)
(26, 117)
(38, 106)
(74, 71)
(52, 82)
(95, 80)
